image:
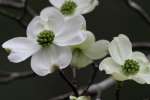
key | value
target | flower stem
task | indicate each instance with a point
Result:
(95, 69)
(74, 75)
(139, 9)
(69, 83)
(118, 89)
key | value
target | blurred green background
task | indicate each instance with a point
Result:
(109, 19)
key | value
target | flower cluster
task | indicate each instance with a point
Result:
(57, 38)
(124, 64)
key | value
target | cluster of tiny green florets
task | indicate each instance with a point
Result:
(130, 67)
(68, 8)
(45, 38)
(78, 50)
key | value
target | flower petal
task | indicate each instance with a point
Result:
(57, 3)
(109, 66)
(97, 50)
(142, 78)
(86, 6)
(53, 19)
(84, 98)
(72, 98)
(80, 60)
(35, 27)
(119, 76)
(88, 42)
(73, 24)
(46, 60)
(21, 48)
(80, 98)
(120, 49)
(139, 56)
(70, 39)
(71, 33)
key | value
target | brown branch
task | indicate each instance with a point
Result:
(91, 81)
(61, 73)
(7, 77)
(139, 9)
(13, 3)
(92, 91)
(96, 89)
(18, 4)
(141, 45)
(22, 4)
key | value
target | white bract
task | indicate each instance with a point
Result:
(80, 98)
(74, 7)
(124, 64)
(89, 50)
(48, 36)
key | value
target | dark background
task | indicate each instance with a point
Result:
(109, 19)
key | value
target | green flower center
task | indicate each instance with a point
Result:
(130, 67)
(45, 38)
(77, 50)
(68, 8)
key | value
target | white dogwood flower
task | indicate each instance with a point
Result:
(46, 41)
(80, 98)
(124, 64)
(89, 50)
(74, 7)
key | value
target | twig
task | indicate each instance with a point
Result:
(13, 3)
(18, 4)
(118, 89)
(135, 6)
(147, 99)
(95, 69)
(24, 13)
(141, 45)
(101, 86)
(117, 94)
(69, 83)
(23, 4)
(14, 18)
(6, 77)
(31, 11)
(74, 75)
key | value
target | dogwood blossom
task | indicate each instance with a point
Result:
(48, 36)
(89, 50)
(124, 64)
(80, 98)
(74, 7)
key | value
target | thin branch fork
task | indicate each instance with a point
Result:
(95, 89)
(18, 4)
